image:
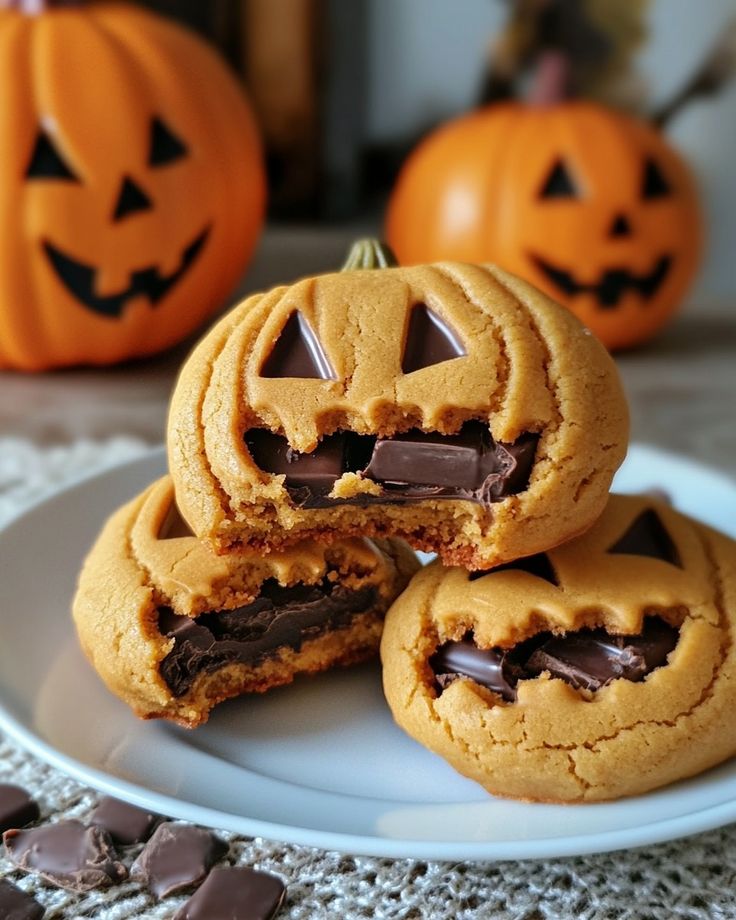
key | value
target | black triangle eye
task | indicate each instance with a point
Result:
(165, 145)
(47, 163)
(654, 184)
(429, 340)
(559, 183)
(646, 536)
(298, 353)
(538, 565)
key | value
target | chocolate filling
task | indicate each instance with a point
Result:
(412, 466)
(587, 659)
(279, 617)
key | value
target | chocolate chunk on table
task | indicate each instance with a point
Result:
(178, 856)
(17, 808)
(18, 905)
(67, 854)
(125, 823)
(235, 894)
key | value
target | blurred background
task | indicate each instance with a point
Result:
(342, 93)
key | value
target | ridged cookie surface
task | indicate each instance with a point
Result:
(333, 367)
(601, 669)
(173, 629)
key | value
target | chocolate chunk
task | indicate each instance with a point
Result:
(316, 472)
(429, 340)
(647, 537)
(484, 666)
(297, 353)
(125, 823)
(278, 618)
(412, 466)
(174, 525)
(178, 856)
(67, 854)
(235, 894)
(537, 565)
(15, 904)
(17, 808)
(587, 659)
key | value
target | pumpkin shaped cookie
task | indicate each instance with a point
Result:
(452, 405)
(600, 669)
(173, 629)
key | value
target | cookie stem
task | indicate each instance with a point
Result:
(369, 253)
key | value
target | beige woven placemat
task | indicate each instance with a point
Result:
(693, 878)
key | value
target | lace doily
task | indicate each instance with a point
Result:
(693, 878)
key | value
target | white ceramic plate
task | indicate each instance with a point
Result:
(317, 763)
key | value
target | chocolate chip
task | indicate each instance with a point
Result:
(587, 659)
(125, 823)
(18, 905)
(429, 340)
(17, 808)
(67, 854)
(279, 618)
(235, 894)
(297, 353)
(178, 856)
(411, 466)
(647, 536)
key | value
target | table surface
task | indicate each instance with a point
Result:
(681, 387)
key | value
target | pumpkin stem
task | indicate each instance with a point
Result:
(34, 7)
(369, 253)
(551, 82)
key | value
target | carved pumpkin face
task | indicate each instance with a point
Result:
(134, 188)
(590, 205)
(601, 668)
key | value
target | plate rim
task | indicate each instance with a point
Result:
(693, 822)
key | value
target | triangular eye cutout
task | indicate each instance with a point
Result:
(538, 565)
(46, 162)
(647, 536)
(429, 340)
(165, 145)
(654, 184)
(559, 183)
(174, 525)
(297, 353)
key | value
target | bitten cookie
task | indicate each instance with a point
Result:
(451, 405)
(603, 668)
(173, 629)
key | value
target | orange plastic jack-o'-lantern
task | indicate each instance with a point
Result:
(131, 184)
(591, 205)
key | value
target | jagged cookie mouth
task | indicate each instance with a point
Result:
(80, 279)
(614, 283)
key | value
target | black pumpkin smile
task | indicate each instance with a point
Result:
(79, 279)
(614, 283)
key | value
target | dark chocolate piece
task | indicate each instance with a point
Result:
(17, 808)
(67, 854)
(647, 536)
(174, 525)
(411, 466)
(297, 353)
(429, 340)
(278, 618)
(586, 659)
(537, 565)
(125, 823)
(177, 857)
(235, 894)
(484, 666)
(16, 904)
